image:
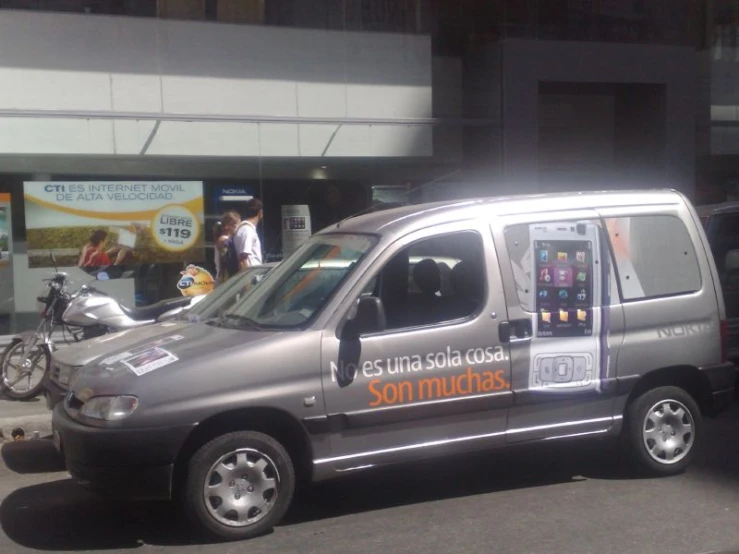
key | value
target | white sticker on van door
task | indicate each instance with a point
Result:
(128, 353)
(567, 344)
(149, 360)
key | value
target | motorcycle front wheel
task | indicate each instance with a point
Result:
(23, 378)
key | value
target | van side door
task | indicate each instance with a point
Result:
(565, 323)
(669, 299)
(435, 377)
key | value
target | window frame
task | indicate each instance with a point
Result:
(279, 273)
(399, 246)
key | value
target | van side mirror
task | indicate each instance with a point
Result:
(369, 317)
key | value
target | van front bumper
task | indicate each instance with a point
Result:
(133, 464)
(722, 379)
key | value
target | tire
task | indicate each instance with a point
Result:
(663, 429)
(31, 392)
(222, 464)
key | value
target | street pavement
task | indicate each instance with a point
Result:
(30, 415)
(570, 499)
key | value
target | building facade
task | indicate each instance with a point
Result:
(334, 105)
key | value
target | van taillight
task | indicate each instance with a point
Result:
(724, 346)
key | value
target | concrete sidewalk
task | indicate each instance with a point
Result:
(30, 416)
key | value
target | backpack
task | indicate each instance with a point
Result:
(230, 259)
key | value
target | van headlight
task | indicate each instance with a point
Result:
(109, 408)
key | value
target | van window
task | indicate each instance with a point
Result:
(298, 288)
(433, 281)
(654, 255)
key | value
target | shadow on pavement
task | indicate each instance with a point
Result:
(35, 399)
(62, 516)
(32, 456)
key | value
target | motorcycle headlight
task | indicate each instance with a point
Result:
(109, 408)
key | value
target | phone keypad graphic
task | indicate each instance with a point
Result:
(563, 370)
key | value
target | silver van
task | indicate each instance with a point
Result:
(521, 319)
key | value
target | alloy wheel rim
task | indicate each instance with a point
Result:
(668, 431)
(241, 488)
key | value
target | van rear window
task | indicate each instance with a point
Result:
(654, 255)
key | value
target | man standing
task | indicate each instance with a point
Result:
(246, 240)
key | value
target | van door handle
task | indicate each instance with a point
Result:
(516, 330)
(504, 332)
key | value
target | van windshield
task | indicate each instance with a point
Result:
(299, 287)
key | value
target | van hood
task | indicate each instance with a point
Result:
(151, 362)
(82, 353)
(201, 369)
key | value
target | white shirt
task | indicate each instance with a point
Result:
(247, 243)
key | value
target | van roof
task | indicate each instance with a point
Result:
(424, 215)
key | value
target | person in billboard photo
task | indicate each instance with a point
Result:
(95, 255)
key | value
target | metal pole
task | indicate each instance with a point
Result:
(148, 116)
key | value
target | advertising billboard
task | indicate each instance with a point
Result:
(95, 224)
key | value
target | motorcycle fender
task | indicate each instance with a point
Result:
(23, 336)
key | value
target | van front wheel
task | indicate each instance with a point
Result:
(663, 426)
(239, 485)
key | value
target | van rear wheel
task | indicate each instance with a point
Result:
(239, 485)
(663, 426)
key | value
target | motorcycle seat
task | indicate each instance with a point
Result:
(152, 312)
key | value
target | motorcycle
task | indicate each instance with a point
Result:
(83, 314)
(29, 354)
(97, 313)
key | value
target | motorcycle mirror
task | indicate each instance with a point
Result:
(53, 260)
(102, 276)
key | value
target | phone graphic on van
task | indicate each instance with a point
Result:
(567, 292)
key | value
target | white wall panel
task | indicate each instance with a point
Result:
(57, 61)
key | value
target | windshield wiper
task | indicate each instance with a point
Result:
(241, 320)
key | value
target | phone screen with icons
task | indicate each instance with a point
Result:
(564, 288)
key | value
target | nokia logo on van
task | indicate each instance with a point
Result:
(234, 191)
(685, 330)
